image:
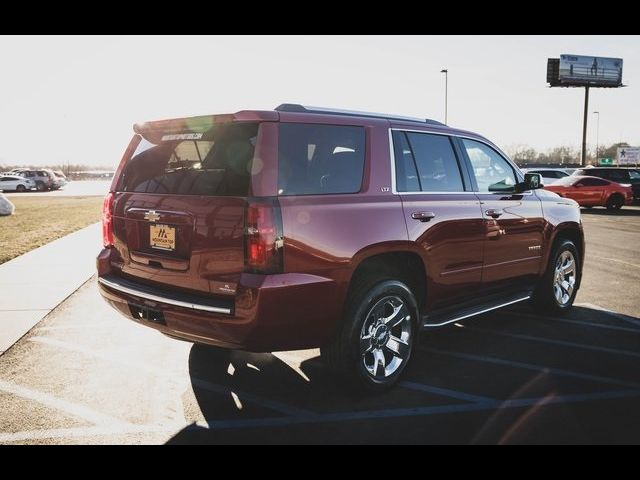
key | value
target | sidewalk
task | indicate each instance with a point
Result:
(33, 284)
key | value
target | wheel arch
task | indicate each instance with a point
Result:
(568, 231)
(614, 193)
(396, 260)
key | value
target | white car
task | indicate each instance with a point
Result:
(549, 175)
(15, 183)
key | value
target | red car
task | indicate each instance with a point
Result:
(593, 191)
(300, 228)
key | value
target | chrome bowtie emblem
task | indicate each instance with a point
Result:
(152, 216)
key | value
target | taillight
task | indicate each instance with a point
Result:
(107, 220)
(263, 237)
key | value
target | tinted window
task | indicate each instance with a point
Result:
(320, 159)
(216, 163)
(493, 173)
(593, 182)
(406, 173)
(618, 175)
(549, 173)
(634, 175)
(438, 169)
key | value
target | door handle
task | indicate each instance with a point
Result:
(494, 212)
(423, 216)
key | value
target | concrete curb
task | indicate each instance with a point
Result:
(35, 283)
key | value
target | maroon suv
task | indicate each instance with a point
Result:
(348, 231)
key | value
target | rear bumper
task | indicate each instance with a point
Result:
(144, 292)
(267, 313)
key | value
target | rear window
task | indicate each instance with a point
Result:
(550, 173)
(320, 159)
(215, 163)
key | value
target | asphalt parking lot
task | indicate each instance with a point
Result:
(86, 375)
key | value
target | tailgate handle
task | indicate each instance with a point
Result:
(423, 216)
(494, 212)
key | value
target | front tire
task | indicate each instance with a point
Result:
(373, 344)
(21, 188)
(558, 287)
(40, 186)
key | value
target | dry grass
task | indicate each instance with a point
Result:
(39, 220)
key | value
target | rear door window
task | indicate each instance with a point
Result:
(214, 163)
(320, 159)
(436, 161)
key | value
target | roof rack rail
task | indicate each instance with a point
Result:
(297, 108)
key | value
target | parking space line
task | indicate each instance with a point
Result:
(567, 320)
(80, 432)
(72, 327)
(530, 366)
(613, 260)
(251, 398)
(599, 325)
(619, 316)
(103, 356)
(321, 418)
(78, 411)
(445, 392)
(561, 343)
(205, 385)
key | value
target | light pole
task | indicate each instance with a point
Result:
(446, 85)
(597, 135)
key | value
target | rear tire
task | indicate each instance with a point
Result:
(40, 186)
(373, 344)
(615, 202)
(558, 287)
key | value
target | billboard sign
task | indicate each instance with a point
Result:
(628, 155)
(580, 70)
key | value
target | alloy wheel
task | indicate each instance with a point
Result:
(564, 279)
(385, 338)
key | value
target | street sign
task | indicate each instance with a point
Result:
(628, 155)
(605, 162)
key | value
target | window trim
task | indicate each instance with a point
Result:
(462, 162)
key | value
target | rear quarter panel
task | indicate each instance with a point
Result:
(329, 235)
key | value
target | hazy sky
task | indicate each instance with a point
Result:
(74, 99)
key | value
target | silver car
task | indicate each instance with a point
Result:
(15, 183)
(549, 175)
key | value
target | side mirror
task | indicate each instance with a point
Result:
(532, 181)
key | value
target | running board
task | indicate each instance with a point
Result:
(439, 320)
